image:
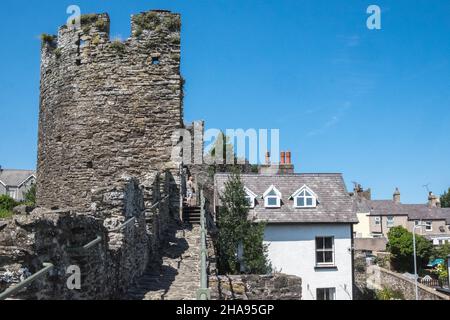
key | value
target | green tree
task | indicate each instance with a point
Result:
(30, 196)
(400, 245)
(445, 199)
(236, 230)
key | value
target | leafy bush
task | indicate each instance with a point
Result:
(7, 203)
(389, 294)
(400, 246)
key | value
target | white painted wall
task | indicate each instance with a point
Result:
(292, 251)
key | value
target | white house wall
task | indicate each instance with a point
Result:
(292, 251)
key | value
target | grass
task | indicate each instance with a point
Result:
(5, 214)
(118, 46)
(48, 39)
(146, 21)
(173, 23)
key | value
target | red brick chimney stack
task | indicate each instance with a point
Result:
(288, 158)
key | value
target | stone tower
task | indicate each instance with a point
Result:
(107, 108)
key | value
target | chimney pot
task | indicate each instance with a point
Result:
(288, 158)
(282, 157)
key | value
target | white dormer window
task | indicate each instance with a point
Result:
(272, 198)
(304, 198)
(250, 196)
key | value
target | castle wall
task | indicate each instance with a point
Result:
(107, 108)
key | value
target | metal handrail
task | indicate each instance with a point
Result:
(86, 246)
(203, 293)
(158, 203)
(123, 225)
(8, 292)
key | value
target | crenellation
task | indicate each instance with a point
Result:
(112, 105)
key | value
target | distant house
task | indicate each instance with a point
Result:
(379, 216)
(15, 183)
(309, 228)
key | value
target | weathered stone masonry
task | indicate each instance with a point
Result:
(107, 108)
(108, 111)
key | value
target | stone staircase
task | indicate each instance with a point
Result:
(191, 215)
(177, 275)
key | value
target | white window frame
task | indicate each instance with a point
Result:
(12, 193)
(388, 221)
(297, 195)
(333, 251)
(377, 220)
(428, 226)
(251, 196)
(277, 196)
(330, 292)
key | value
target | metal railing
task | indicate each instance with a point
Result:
(49, 266)
(203, 293)
(14, 289)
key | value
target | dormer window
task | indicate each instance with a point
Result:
(304, 198)
(250, 196)
(272, 198)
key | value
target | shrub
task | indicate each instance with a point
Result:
(48, 39)
(173, 23)
(30, 196)
(118, 46)
(389, 294)
(400, 245)
(146, 21)
(7, 203)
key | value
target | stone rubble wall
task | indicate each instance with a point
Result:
(107, 108)
(107, 269)
(396, 281)
(256, 287)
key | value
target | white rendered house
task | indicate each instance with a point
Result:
(309, 228)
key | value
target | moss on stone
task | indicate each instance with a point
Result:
(147, 20)
(118, 46)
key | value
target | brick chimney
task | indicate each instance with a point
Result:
(433, 201)
(286, 166)
(288, 158)
(396, 196)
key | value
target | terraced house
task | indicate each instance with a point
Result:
(310, 219)
(377, 217)
(16, 183)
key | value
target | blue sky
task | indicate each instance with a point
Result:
(372, 104)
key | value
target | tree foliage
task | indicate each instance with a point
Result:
(445, 199)
(30, 196)
(235, 231)
(400, 246)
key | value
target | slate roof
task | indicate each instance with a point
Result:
(14, 178)
(390, 208)
(334, 203)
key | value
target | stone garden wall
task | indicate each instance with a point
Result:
(255, 287)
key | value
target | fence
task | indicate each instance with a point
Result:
(203, 293)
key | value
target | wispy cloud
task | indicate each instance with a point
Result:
(350, 40)
(333, 121)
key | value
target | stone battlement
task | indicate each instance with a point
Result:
(107, 108)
